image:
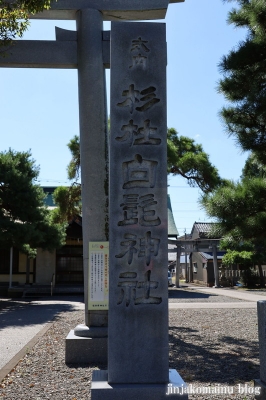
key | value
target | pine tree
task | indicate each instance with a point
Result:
(187, 159)
(244, 81)
(184, 158)
(239, 207)
(240, 211)
(24, 221)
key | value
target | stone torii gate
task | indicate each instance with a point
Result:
(88, 50)
(195, 246)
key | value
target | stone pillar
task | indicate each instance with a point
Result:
(138, 205)
(215, 266)
(88, 343)
(186, 266)
(93, 146)
(190, 274)
(177, 275)
(138, 302)
(260, 384)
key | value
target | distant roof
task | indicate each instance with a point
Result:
(74, 228)
(209, 256)
(201, 229)
(172, 230)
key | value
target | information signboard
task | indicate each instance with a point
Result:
(98, 275)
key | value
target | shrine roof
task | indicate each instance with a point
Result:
(172, 230)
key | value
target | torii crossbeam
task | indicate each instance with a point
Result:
(110, 9)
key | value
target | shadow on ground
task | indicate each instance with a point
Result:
(20, 313)
(186, 294)
(224, 359)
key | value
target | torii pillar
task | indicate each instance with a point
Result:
(88, 51)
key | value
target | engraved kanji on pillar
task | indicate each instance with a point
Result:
(138, 205)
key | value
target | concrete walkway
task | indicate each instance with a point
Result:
(199, 305)
(240, 294)
(21, 321)
(249, 300)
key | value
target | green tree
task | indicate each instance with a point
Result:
(244, 80)
(246, 260)
(253, 168)
(184, 157)
(14, 17)
(24, 221)
(73, 168)
(68, 199)
(239, 207)
(240, 211)
(187, 159)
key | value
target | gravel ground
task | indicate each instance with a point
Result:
(191, 296)
(255, 291)
(214, 349)
(210, 349)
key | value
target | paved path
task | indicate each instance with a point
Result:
(234, 293)
(199, 305)
(249, 300)
(20, 321)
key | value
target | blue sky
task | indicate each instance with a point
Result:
(39, 107)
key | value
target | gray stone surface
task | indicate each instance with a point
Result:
(101, 389)
(260, 389)
(261, 308)
(93, 141)
(59, 53)
(93, 331)
(41, 54)
(138, 309)
(111, 9)
(84, 350)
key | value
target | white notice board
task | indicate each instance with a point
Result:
(98, 275)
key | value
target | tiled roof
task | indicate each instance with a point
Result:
(172, 230)
(209, 256)
(201, 229)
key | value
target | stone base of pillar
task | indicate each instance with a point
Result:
(259, 389)
(91, 331)
(102, 390)
(85, 350)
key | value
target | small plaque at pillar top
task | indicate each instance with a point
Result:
(138, 309)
